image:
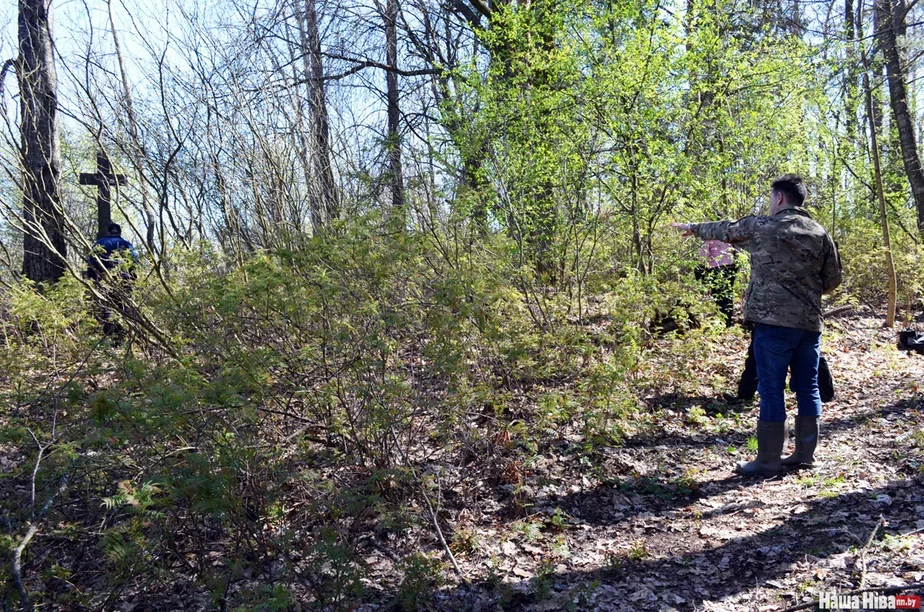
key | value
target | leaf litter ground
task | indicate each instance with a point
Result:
(550, 520)
(660, 522)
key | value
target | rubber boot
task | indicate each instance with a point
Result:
(806, 441)
(770, 437)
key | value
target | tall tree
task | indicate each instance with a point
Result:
(891, 26)
(44, 249)
(880, 196)
(135, 144)
(527, 76)
(394, 111)
(850, 75)
(441, 43)
(325, 200)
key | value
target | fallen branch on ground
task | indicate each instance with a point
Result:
(869, 541)
(839, 310)
(433, 517)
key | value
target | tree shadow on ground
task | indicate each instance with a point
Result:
(624, 500)
(686, 571)
(830, 422)
(686, 568)
(712, 404)
(632, 492)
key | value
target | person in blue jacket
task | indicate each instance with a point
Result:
(109, 253)
(112, 259)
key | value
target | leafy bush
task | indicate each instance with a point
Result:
(258, 416)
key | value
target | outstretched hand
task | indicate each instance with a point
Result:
(683, 228)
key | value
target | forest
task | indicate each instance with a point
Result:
(400, 321)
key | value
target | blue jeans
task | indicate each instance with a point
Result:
(781, 349)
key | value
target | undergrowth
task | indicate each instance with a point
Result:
(262, 427)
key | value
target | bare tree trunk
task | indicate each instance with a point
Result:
(304, 145)
(328, 201)
(850, 74)
(880, 192)
(394, 115)
(44, 249)
(892, 22)
(137, 150)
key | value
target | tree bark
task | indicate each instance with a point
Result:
(304, 145)
(325, 205)
(796, 19)
(394, 112)
(850, 74)
(891, 24)
(44, 248)
(880, 193)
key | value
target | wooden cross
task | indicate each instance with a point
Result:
(104, 179)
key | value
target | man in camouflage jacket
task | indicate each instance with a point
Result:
(793, 261)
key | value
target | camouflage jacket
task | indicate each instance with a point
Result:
(793, 261)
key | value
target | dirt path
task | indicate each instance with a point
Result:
(661, 523)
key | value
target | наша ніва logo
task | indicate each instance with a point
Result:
(868, 601)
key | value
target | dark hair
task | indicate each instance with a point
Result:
(114, 228)
(792, 188)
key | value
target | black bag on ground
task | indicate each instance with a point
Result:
(910, 340)
(825, 381)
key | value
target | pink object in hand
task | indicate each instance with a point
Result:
(716, 254)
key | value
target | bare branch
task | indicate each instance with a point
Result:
(6, 67)
(33, 529)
